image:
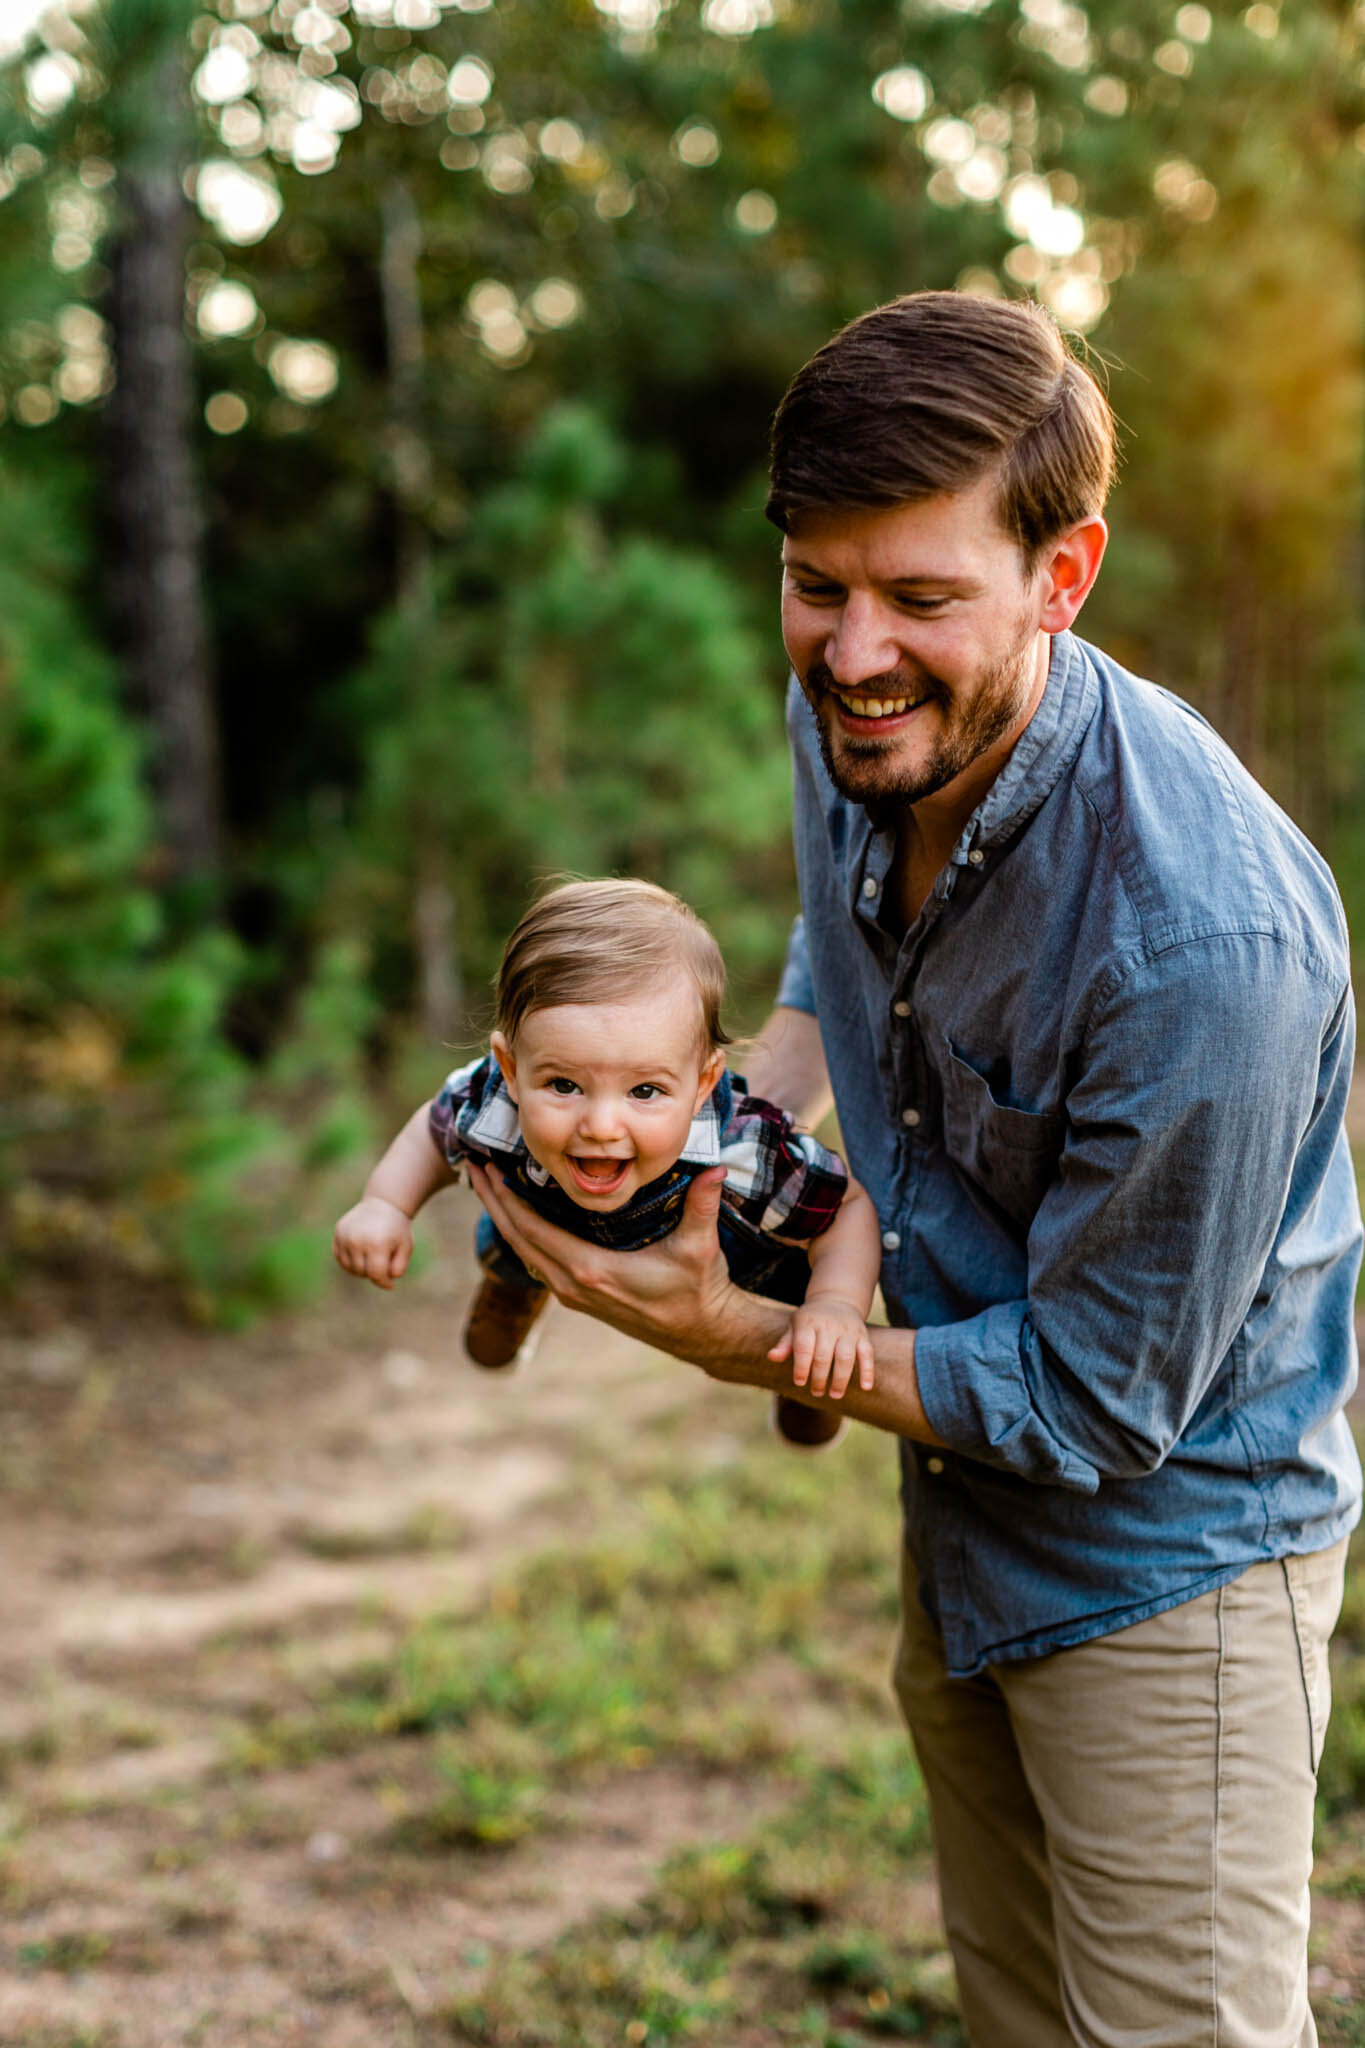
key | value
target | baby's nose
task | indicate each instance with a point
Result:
(600, 1117)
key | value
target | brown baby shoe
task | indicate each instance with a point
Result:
(501, 1319)
(805, 1428)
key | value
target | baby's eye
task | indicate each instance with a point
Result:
(562, 1085)
(645, 1091)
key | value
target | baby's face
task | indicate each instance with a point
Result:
(605, 1092)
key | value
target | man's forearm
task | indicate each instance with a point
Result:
(786, 1065)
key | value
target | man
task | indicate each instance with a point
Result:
(1083, 994)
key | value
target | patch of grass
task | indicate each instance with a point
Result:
(608, 1656)
(69, 1953)
(1341, 2023)
(1341, 1778)
(430, 1528)
(740, 1622)
(734, 1944)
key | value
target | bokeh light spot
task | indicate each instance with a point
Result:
(756, 213)
(226, 412)
(696, 144)
(904, 92)
(1107, 95)
(225, 309)
(555, 303)
(50, 81)
(1174, 58)
(243, 205)
(469, 83)
(305, 371)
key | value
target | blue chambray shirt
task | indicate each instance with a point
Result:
(1097, 1093)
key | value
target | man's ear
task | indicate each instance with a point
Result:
(710, 1074)
(1069, 568)
(506, 1059)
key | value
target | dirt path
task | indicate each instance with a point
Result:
(196, 1531)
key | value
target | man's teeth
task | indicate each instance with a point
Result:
(876, 707)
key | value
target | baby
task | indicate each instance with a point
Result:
(605, 1093)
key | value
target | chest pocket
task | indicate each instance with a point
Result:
(1010, 1154)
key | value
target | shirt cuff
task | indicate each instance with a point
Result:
(974, 1383)
(796, 991)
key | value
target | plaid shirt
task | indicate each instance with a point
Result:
(780, 1184)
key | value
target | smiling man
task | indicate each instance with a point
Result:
(1082, 992)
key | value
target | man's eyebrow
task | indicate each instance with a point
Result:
(930, 580)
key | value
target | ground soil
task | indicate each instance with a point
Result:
(196, 1529)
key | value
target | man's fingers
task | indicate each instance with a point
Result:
(531, 1238)
(698, 1225)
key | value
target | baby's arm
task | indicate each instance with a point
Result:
(827, 1335)
(374, 1239)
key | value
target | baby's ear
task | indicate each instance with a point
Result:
(506, 1059)
(711, 1072)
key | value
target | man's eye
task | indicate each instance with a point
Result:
(819, 593)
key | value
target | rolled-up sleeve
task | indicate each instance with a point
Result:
(1202, 1142)
(795, 990)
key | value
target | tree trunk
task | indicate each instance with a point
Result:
(156, 513)
(435, 937)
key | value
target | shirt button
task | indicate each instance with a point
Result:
(869, 888)
(901, 1009)
(891, 1240)
(910, 1117)
(976, 856)
(934, 1465)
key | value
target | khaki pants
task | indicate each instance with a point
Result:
(1124, 1829)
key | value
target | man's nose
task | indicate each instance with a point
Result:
(861, 642)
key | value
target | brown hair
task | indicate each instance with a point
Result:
(595, 942)
(930, 393)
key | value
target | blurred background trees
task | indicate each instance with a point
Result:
(385, 390)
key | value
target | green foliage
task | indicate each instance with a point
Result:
(74, 825)
(1341, 1778)
(554, 422)
(576, 700)
(116, 1071)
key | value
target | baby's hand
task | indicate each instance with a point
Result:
(374, 1241)
(825, 1340)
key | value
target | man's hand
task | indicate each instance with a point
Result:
(676, 1295)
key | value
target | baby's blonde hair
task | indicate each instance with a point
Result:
(597, 942)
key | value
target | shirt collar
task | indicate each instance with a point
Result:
(1044, 750)
(703, 1139)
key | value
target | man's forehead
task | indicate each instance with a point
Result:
(920, 537)
(974, 508)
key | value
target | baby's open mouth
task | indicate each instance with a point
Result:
(600, 1176)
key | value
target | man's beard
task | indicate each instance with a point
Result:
(865, 770)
